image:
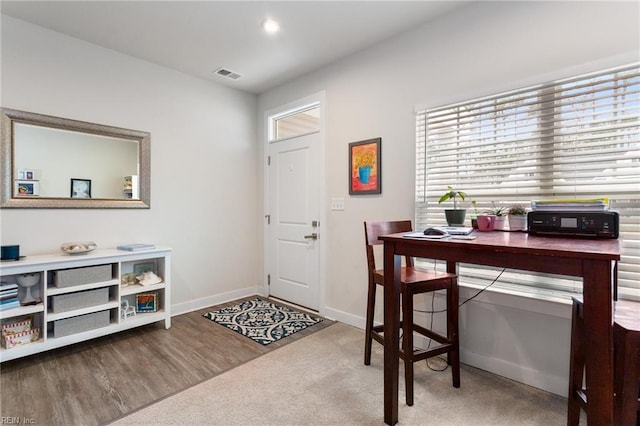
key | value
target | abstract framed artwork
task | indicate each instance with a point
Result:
(365, 175)
(146, 302)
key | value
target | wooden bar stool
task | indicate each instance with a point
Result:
(413, 281)
(626, 364)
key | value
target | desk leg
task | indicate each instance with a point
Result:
(391, 332)
(598, 322)
(454, 332)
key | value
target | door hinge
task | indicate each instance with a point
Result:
(268, 279)
(268, 217)
(268, 160)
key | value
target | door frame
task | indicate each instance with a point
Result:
(318, 99)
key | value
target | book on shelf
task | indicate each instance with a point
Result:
(136, 247)
(579, 204)
(8, 286)
(4, 297)
(9, 304)
(8, 293)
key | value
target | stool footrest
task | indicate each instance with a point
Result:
(378, 337)
(430, 334)
(420, 354)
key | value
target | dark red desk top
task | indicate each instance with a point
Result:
(521, 242)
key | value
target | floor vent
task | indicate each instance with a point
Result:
(223, 72)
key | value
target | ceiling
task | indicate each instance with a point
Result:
(199, 37)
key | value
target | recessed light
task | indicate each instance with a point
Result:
(270, 26)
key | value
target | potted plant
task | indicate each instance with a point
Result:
(364, 162)
(474, 216)
(517, 215)
(500, 213)
(455, 216)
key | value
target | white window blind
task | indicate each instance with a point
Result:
(574, 138)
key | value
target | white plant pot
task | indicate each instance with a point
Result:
(517, 223)
(498, 223)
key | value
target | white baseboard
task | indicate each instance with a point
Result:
(522, 374)
(194, 305)
(344, 317)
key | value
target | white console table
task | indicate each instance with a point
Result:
(90, 303)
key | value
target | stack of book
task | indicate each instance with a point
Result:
(9, 296)
(136, 247)
(571, 204)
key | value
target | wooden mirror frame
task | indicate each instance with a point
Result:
(11, 116)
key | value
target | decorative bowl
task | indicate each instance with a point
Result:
(78, 247)
(28, 280)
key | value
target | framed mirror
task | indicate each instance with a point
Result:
(52, 162)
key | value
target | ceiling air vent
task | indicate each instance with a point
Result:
(226, 73)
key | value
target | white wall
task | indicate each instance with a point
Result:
(481, 49)
(203, 159)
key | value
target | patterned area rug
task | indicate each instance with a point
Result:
(262, 321)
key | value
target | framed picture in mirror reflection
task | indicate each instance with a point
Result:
(80, 188)
(27, 188)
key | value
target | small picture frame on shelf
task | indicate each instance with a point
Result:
(27, 188)
(141, 268)
(80, 188)
(146, 302)
(25, 174)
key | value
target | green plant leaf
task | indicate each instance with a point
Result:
(444, 198)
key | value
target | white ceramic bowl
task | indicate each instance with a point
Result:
(78, 247)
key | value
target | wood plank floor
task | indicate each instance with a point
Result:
(98, 381)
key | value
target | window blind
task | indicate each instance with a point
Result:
(573, 138)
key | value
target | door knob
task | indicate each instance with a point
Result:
(313, 236)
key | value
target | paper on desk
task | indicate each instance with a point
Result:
(421, 235)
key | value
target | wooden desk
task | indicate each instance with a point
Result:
(590, 259)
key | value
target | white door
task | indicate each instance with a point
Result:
(294, 210)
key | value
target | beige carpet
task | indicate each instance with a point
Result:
(321, 380)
